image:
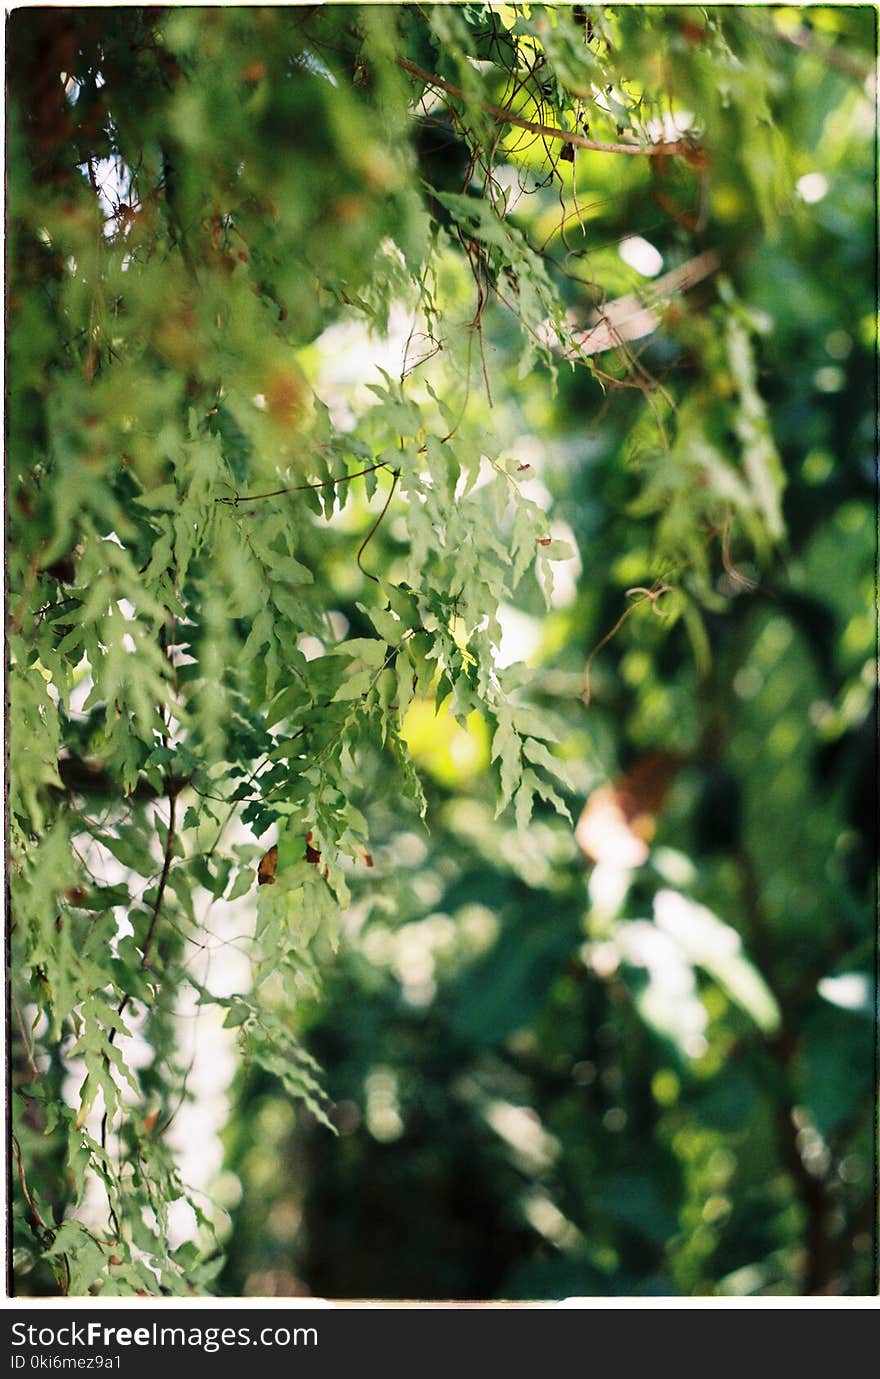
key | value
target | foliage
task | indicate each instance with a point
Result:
(256, 619)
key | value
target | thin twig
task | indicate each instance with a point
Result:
(548, 131)
(375, 527)
(648, 596)
(302, 488)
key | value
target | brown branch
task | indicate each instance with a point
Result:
(81, 776)
(634, 316)
(31, 1204)
(302, 488)
(549, 131)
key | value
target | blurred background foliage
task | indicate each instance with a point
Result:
(520, 1114)
(629, 1053)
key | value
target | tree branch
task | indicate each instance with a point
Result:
(549, 131)
(83, 776)
(636, 315)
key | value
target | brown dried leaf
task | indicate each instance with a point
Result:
(268, 866)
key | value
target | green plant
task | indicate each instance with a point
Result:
(196, 199)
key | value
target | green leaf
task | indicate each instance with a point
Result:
(165, 498)
(242, 883)
(236, 1015)
(373, 653)
(355, 687)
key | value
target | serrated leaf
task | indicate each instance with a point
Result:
(540, 756)
(506, 749)
(366, 649)
(355, 687)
